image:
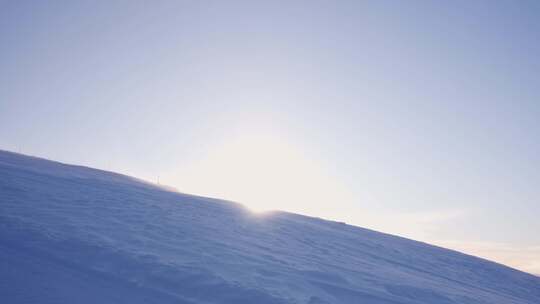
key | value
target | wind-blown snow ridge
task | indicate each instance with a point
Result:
(71, 234)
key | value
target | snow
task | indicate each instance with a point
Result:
(71, 234)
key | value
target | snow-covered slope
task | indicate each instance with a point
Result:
(71, 234)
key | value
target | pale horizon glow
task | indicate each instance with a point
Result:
(264, 173)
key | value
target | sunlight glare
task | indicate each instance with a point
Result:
(265, 173)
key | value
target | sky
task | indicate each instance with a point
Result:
(416, 118)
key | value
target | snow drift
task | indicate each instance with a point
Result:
(71, 234)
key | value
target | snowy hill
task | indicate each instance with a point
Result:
(71, 234)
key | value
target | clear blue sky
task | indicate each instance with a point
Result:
(418, 118)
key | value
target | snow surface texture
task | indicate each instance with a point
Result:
(71, 234)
